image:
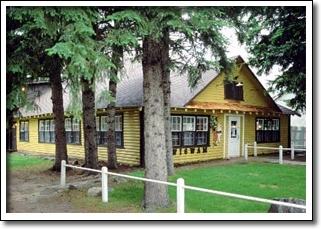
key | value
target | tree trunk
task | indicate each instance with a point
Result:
(89, 125)
(111, 109)
(155, 195)
(167, 104)
(58, 113)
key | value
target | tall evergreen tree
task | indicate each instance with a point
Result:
(276, 36)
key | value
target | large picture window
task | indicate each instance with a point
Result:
(46, 130)
(189, 130)
(267, 130)
(24, 131)
(101, 127)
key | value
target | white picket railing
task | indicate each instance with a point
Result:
(180, 188)
(280, 148)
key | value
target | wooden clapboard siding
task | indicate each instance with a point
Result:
(129, 154)
(252, 90)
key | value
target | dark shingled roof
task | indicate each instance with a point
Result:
(288, 111)
(129, 91)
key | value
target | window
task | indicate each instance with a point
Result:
(189, 130)
(233, 90)
(119, 130)
(176, 124)
(201, 131)
(24, 131)
(46, 130)
(267, 130)
(72, 128)
(101, 127)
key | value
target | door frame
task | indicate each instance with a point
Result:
(242, 119)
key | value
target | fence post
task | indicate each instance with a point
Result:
(245, 152)
(292, 150)
(281, 155)
(104, 184)
(255, 149)
(180, 195)
(63, 174)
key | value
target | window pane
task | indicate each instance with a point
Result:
(68, 137)
(176, 138)
(103, 135)
(26, 136)
(47, 136)
(41, 125)
(275, 124)
(201, 123)
(188, 138)
(47, 125)
(52, 125)
(118, 136)
(233, 129)
(201, 138)
(75, 125)
(52, 136)
(259, 124)
(26, 126)
(22, 126)
(76, 137)
(176, 123)
(188, 123)
(118, 123)
(68, 124)
(103, 126)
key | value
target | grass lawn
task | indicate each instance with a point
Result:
(19, 162)
(267, 181)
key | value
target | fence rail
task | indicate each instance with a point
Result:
(280, 148)
(180, 188)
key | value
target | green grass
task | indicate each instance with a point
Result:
(19, 162)
(267, 181)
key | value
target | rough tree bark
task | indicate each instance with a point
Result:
(167, 103)
(89, 125)
(111, 109)
(155, 195)
(58, 113)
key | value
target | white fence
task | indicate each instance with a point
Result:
(180, 185)
(255, 147)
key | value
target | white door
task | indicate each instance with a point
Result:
(234, 136)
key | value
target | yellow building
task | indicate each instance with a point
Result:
(212, 121)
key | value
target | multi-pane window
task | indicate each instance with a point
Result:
(267, 130)
(72, 128)
(202, 130)
(102, 128)
(189, 130)
(119, 130)
(24, 131)
(46, 130)
(176, 125)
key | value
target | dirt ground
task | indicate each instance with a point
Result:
(39, 192)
